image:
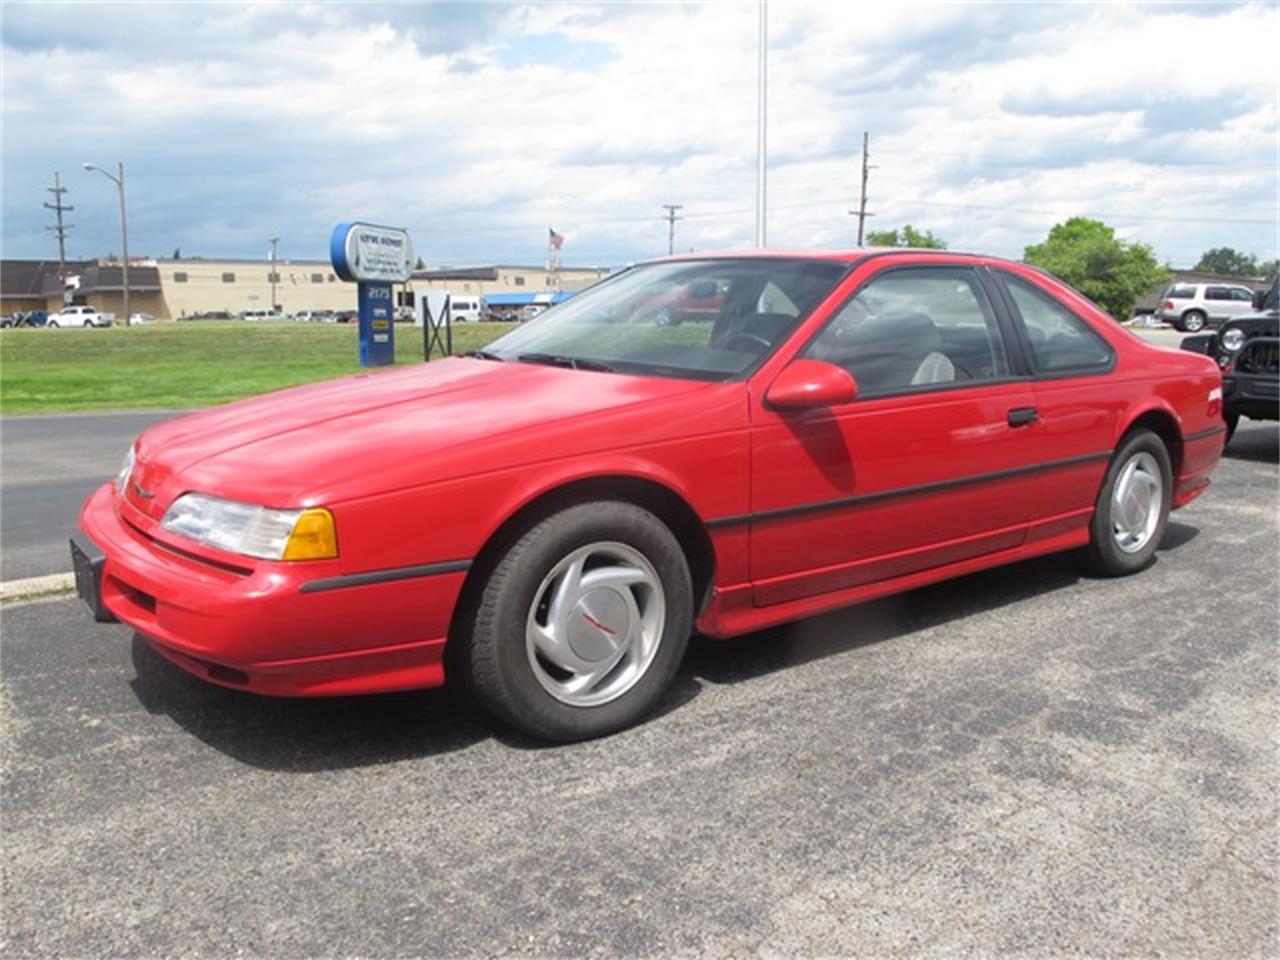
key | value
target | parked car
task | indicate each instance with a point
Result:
(531, 310)
(549, 519)
(259, 315)
(466, 309)
(1192, 306)
(80, 316)
(1247, 349)
(346, 316)
(140, 319)
(210, 315)
(34, 318)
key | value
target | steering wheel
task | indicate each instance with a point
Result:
(751, 338)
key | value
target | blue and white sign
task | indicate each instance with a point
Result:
(368, 253)
(373, 258)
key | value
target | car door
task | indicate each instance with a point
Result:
(1241, 301)
(1217, 300)
(932, 463)
(1068, 360)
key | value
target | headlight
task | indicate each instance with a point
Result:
(252, 530)
(126, 468)
(1233, 339)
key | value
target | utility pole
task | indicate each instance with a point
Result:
(671, 209)
(61, 229)
(762, 122)
(862, 205)
(274, 275)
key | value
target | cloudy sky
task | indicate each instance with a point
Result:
(477, 126)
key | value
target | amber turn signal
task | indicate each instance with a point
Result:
(313, 537)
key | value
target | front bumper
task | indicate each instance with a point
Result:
(1252, 395)
(255, 629)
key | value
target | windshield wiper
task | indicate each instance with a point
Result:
(560, 360)
(483, 355)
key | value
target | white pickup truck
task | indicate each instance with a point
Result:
(81, 316)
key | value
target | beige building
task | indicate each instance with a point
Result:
(172, 289)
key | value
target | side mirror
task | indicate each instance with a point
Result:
(808, 384)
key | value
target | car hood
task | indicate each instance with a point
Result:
(377, 432)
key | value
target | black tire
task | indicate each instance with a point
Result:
(1233, 421)
(1104, 554)
(1193, 321)
(54, 324)
(496, 660)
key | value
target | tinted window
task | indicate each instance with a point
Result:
(1239, 294)
(1059, 339)
(915, 328)
(228, 278)
(1217, 293)
(1182, 292)
(179, 277)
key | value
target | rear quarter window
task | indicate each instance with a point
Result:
(1181, 292)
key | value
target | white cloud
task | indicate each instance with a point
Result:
(478, 126)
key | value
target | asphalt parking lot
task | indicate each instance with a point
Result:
(1022, 762)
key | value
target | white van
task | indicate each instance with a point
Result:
(466, 309)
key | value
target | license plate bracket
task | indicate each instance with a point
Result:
(87, 562)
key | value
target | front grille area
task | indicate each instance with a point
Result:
(1260, 356)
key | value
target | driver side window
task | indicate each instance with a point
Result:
(915, 328)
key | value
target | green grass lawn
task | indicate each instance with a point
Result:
(190, 364)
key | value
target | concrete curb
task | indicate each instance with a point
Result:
(34, 588)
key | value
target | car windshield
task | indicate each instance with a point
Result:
(701, 319)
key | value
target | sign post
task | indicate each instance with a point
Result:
(373, 258)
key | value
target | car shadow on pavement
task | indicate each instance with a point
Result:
(893, 617)
(307, 734)
(1257, 443)
(321, 734)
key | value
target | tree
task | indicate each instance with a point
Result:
(1224, 260)
(1086, 254)
(908, 236)
(419, 265)
(177, 253)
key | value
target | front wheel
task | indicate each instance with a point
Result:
(582, 624)
(1193, 321)
(1132, 509)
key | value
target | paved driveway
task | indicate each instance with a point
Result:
(51, 464)
(1023, 762)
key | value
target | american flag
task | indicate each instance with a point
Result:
(556, 239)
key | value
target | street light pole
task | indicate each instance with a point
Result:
(118, 180)
(762, 114)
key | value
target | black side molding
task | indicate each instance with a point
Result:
(384, 576)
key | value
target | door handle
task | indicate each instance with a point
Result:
(1021, 416)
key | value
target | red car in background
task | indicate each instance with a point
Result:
(549, 519)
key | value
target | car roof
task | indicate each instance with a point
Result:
(850, 256)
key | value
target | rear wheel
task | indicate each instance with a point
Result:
(1132, 510)
(1193, 321)
(53, 323)
(582, 624)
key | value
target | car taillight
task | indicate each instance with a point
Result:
(1168, 305)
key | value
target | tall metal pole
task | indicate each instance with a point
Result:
(118, 180)
(671, 209)
(762, 123)
(274, 275)
(124, 244)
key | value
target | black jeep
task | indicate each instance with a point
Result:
(1247, 349)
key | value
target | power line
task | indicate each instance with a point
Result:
(60, 229)
(671, 219)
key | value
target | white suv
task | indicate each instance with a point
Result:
(1192, 306)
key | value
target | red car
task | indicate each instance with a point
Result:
(549, 519)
